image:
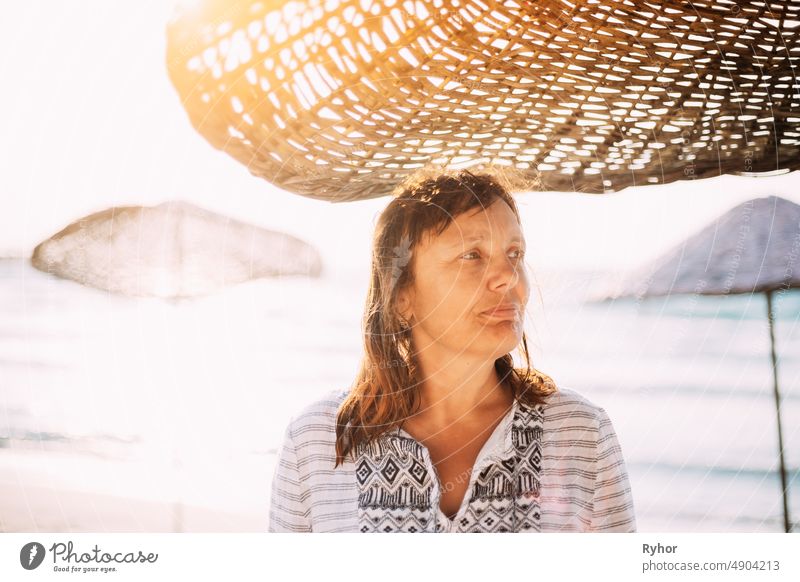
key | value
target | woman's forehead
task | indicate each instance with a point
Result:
(496, 221)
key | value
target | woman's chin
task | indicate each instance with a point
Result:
(499, 339)
(505, 328)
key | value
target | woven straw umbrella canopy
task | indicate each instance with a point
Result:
(752, 248)
(340, 99)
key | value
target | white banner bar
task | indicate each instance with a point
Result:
(240, 557)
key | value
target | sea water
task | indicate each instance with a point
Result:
(188, 399)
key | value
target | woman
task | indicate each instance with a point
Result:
(440, 431)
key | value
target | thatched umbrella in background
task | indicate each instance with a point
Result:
(173, 250)
(341, 100)
(753, 248)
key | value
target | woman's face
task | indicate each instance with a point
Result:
(461, 277)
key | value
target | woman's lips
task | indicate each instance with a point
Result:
(504, 313)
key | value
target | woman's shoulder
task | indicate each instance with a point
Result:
(568, 403)
(318, 416)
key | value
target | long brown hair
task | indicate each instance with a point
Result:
(385, 391)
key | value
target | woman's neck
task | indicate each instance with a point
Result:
(456, 390)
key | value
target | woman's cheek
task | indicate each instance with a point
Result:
(471, 275)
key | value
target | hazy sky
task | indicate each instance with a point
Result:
(89, 120)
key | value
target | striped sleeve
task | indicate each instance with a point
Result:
(612, 508)
(288, 511)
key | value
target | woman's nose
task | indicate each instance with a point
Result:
(504, 272)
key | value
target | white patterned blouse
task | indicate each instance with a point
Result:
(556, 467)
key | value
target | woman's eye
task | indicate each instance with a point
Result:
(519, 254)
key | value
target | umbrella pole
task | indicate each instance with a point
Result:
(786, 522)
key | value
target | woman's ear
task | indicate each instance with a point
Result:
(404, 305)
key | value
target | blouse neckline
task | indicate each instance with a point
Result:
(498, 445)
